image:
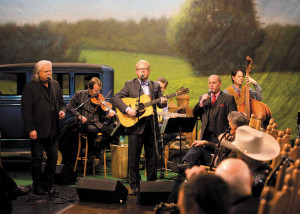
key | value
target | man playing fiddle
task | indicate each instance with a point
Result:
(239, 91)
(92, 116)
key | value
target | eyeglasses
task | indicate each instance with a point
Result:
(142, 69)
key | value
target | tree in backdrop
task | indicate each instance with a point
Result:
(215, 36)
(146, 36)
(31, 43)
(280, 50)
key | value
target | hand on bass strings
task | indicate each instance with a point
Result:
(250, 80)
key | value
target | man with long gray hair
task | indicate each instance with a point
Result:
(42, 108)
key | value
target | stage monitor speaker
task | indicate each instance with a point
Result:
(64, 174)
(154, 192)
(101, 191)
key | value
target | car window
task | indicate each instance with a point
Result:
(64, 81)
(12, 83)
(82, 80)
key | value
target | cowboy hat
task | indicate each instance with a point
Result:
(254, 144)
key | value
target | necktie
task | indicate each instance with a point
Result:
(145, 83)
(238, 92)
(213, 100)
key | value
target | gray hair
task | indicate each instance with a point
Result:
(144, 61)
(237, 118)
(38, 67)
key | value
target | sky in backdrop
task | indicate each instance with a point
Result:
(35, 11)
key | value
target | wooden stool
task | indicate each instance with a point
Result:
(119, 161)
(166, 159)
(85, 158)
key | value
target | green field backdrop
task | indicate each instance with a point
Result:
(280, 89)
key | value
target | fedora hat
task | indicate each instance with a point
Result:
(254, 144)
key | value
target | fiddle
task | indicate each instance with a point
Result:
(99, 100)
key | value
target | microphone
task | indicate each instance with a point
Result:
(142, 76)
(209, 92)
(48, 77)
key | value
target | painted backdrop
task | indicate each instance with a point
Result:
(184, 40)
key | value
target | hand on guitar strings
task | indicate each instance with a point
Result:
(163, 99)
(131, 112)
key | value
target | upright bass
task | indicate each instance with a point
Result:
(252, 106)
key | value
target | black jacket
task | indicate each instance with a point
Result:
(131, 89)
(36, 110)
(223, 106)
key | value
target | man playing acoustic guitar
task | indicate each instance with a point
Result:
(142, 130)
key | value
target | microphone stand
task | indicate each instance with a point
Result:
(161, 141)
(218, 149)
(137, 105)
(81, 127)
(0, 150)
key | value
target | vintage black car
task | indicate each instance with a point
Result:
(72, 77)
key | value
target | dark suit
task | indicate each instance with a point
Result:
(40, 108)
(141, 133)
(214, 121)
(245, 205)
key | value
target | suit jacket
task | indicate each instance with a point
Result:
(131, 89)
(246, 205)
(36, 113)
(223, 105)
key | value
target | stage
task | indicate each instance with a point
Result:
(68, 201)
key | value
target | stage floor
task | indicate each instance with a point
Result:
(68, 201)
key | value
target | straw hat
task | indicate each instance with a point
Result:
(254, 144)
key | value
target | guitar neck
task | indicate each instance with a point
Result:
(155, 101)
(170, 114)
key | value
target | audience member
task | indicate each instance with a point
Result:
(9, 191)
(237, 175)
(255, 148)
(204, 194)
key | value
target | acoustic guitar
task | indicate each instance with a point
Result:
(143, 108)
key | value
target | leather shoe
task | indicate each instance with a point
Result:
(24, 190)
(52, 192)
(178, 167)
(134, 191)
(38, 190)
